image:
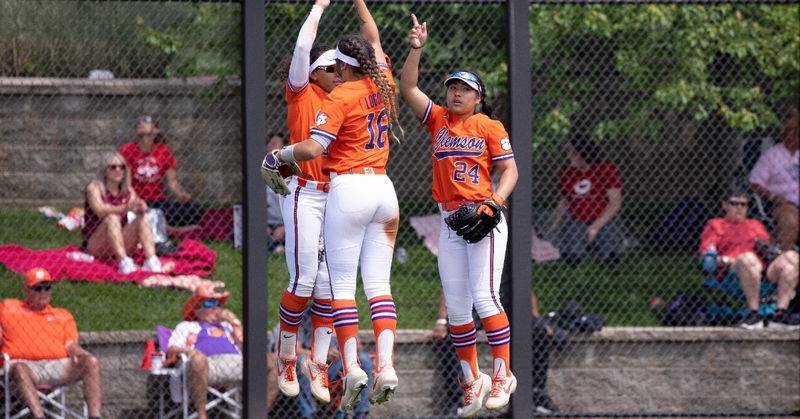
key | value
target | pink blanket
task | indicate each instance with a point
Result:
(71, 263)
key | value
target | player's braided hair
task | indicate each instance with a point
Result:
(485, 107)
(359, 48)
(283, 70)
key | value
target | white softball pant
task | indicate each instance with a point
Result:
(361, 219)
(471, 273)
(303, 217)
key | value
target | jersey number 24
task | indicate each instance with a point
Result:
(461, 170)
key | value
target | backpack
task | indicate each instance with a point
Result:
(684, 310)
(682, 228)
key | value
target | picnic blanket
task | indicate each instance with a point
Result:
(427, 228)
(183, 269)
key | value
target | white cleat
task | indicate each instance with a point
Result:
(475, 394)
(354, 383)
(502, 389)
(287, 377)
(318, 375)
(384, 386)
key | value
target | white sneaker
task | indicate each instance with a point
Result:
(354, 383)
(126, 266)
(384, 385)
(502, 388)
(475, 394)
(152, 264)
(318, 375)
(287, 377)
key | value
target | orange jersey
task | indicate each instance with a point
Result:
(354, 121)
(303, 105)
(462, 152)
(36, 335)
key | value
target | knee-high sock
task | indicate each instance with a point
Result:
(291, 314)
(322, 329)
(345, 320)
(499, 335)
(464, 338)
(384, 324)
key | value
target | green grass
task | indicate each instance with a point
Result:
(619, 293)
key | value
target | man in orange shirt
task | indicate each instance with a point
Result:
(42, 343)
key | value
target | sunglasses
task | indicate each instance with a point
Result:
(464, 75)
(41, 287)
(209, 304)
(738, 203)
(116, 167)
(327, 69)
(144, 119)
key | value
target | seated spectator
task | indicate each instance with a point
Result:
(275, 228)
(107, 234)
(733, 240)
(542, 342)
(151, 160)
(42, 343)
(586, 217)
(775, 179)
(305, 401)
(211, 337)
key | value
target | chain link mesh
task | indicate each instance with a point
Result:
(679, 100)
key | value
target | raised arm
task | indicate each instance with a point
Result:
(369, 29)
(301, 59)
(415, 98)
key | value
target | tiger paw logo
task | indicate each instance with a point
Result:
(505, 144)
(321, 118)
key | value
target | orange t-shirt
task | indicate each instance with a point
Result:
(462, 152)
(36, 335)
(354, 119)
(303, 105)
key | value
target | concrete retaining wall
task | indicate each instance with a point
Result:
(615, 370)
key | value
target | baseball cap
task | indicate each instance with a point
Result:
(202, 293)
(35, 276)
(467, 77)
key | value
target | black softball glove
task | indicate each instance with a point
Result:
(474, 221)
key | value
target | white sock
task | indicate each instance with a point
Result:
(500, 368)
(322, 341)
(288, 341)
(350, 353)
(385, 348)
(467, 370)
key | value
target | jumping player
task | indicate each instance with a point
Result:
(464, 146)
(362, 213)
(310, 77)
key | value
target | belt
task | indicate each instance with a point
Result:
(320, 186)
(453, 205)
(363, 170)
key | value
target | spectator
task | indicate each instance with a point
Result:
(775, 178)
(540, 355)
(211, 338)
(107, 233)
(305, 401)
(733, 238)
(586, 217)
(42, 343)
(276, 232)
(151, 160)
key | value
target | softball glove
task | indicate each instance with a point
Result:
(474, 221)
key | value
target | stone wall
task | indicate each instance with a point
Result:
(616, 370)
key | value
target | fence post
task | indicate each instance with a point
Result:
(254, 248)
(519, 256)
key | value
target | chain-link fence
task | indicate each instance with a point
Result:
(643, 118)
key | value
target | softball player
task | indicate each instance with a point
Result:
(464, 146)
(362, 214)
(310, 77)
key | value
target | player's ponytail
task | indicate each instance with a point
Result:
(485, 107)
(359, 48)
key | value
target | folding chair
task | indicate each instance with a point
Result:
(226, 400)
(52, 398)
(729, 286)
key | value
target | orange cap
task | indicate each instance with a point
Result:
(202, 293)
(35, 276)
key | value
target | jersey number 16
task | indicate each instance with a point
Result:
(378, 127)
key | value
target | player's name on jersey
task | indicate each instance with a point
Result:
(373, 100)
(445, 145)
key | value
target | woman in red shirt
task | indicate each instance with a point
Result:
(150, 161)
(591, 196)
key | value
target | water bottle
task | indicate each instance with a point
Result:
(157, 361)
(710, 259)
